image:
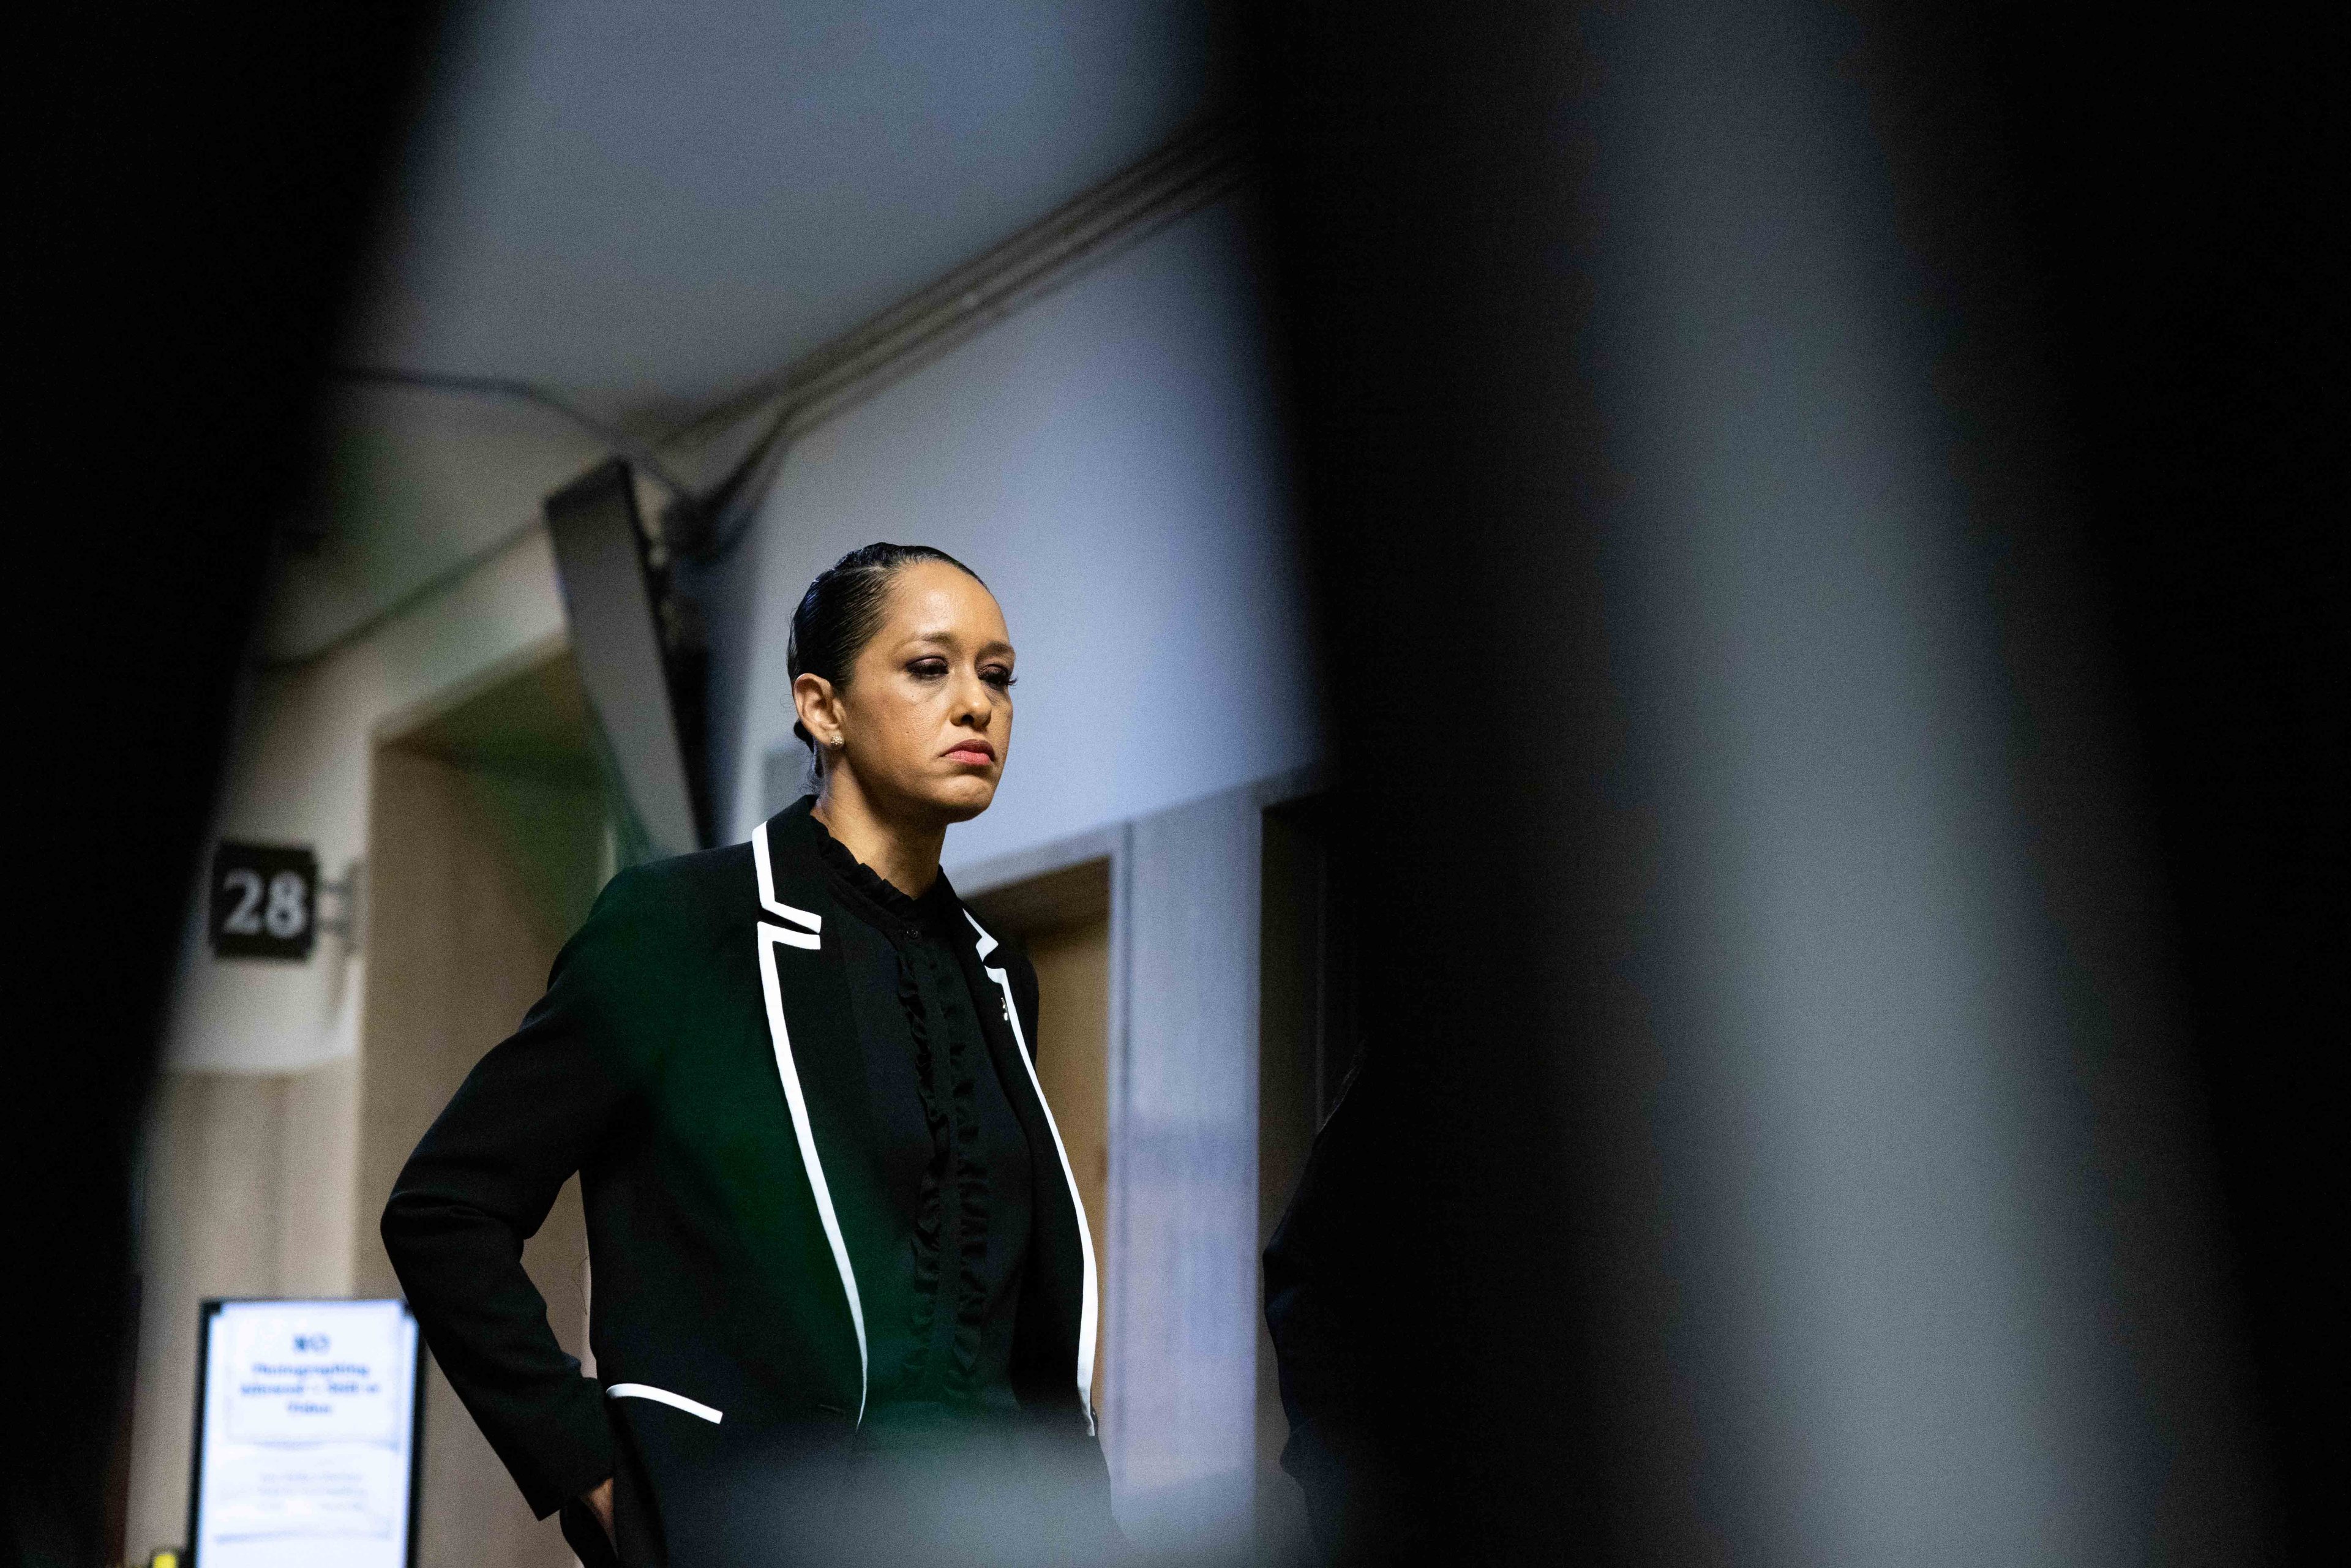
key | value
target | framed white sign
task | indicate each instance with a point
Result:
(307, 1420)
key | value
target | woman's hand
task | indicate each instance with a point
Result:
(600, 1503)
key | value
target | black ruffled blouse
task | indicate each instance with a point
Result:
(954, 1162)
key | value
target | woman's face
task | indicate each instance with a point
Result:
(926, 718)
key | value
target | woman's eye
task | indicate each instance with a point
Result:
(927, 669)
(1002, 680)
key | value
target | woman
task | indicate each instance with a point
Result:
(844, 1301)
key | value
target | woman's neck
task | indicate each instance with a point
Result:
(906, 856)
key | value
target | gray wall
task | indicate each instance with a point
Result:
(1106, 458)
(1180, 1279)
(1183, 1166)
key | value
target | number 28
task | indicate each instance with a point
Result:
(283, 914)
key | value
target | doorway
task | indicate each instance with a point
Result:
(1306, 1051)
(487, 843)
(1062, 919)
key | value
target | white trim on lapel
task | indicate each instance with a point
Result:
(1089, 1302)
(772, 987)
(768, 899)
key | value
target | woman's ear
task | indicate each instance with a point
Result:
(818, 709)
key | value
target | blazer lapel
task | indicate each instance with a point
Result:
(813, 1033)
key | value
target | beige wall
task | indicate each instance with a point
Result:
(299, 772)
(479, 874)
(271, 1184)
(247, 1191)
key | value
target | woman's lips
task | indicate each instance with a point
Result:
(975, 753)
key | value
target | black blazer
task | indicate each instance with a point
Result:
(694, 1059)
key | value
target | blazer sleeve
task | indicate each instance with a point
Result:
(480, 1184)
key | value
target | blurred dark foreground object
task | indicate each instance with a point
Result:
(921, 1486)
(199, 187)
(1829, 532)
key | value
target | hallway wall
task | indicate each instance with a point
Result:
(270, 1184)
(1107, 459)
(480, 875)
(246, 1191)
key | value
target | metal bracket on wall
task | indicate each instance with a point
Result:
(348, 894)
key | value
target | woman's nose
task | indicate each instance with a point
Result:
(972, 706)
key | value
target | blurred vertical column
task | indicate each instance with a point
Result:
(1779, 1145)
(192, 225)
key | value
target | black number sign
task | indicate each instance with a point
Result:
(265, 901)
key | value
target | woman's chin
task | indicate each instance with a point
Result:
(961, 800)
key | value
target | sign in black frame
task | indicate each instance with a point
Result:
(263, 900)
(207, 1309)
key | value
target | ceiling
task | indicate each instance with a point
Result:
(640, 208)
(644, 206)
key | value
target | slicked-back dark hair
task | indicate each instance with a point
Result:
(842, 610)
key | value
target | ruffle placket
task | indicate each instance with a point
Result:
(953, 1128)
